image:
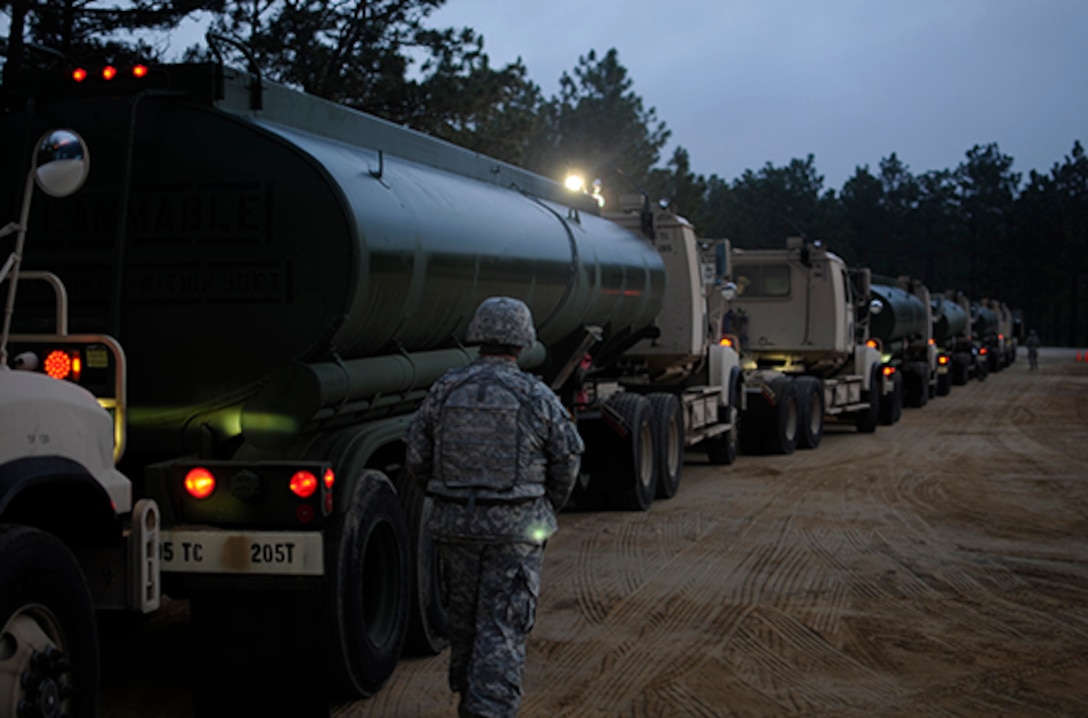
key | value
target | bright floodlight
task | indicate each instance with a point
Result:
(575, 183)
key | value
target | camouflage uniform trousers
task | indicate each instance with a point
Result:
(492, 596)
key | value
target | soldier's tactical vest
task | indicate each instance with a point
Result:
(481, 449)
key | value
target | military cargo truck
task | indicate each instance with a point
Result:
(802, 318)
(72, 536)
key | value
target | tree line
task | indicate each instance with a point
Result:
(979, 227)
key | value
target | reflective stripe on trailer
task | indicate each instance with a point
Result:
(277, 553)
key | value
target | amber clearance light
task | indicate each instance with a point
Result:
(199, 482)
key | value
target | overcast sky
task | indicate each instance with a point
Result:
(741, 83)
(745, 82)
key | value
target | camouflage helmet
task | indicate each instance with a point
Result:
(502, 320)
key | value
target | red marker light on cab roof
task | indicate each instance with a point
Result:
(58, 364)
(79, 74)
(303, 484)
(199, 482)
(109, 72)
(139, 71)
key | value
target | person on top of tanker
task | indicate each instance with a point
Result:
(499, 454)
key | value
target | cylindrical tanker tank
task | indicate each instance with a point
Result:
(902, 315)
(222, 246)
(949, 320)
(983, 322)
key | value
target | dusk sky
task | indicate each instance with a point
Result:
(745, 82)
(741, 83)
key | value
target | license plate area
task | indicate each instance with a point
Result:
(266, 553)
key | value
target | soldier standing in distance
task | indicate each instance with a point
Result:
(499, 455)
(1033, 350)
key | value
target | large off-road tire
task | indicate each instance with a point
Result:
(368, 582)
(787, 418)
(944, 383)
(811, 409)
(668, 438)
(866, 419)
(635, 477)
(49, 640)
(721, 450)
(960, 369)
(428, 621)
(772, 427)
(891, 406)
(916, 384)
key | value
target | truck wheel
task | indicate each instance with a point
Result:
(866, 419)
(49, 642)
(636, 473)
(668, 430)
(810, 394)
(944, 384)
(787, 418)
(891, 408)
(428, 621)
(960, 369)
(368, 581)
(722, 449)
(753, 425)
(922, 371)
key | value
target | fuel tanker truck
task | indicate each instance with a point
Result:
(287, 277)
(953, 335)
(802, 319)
(902, 323)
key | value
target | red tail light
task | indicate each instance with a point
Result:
(303, 484)
(942, 359)
(888, 370)
(329, 479)
(199, 482)
(58, 364)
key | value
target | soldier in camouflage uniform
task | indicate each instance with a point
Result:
(499, 455)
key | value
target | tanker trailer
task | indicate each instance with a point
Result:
(957, 337)
(989, 341)
(902, 323)
(950, 332)
(287, 277)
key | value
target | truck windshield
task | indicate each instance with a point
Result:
(764, 280)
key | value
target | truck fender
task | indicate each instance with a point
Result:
(58, 495)
(724, 370)
(865, 357)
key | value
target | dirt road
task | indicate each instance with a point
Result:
(938, 567)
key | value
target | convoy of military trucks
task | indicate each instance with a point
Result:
(232, 296)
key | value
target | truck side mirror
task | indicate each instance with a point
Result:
(61, 163)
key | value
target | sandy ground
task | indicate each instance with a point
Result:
(938, 567)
